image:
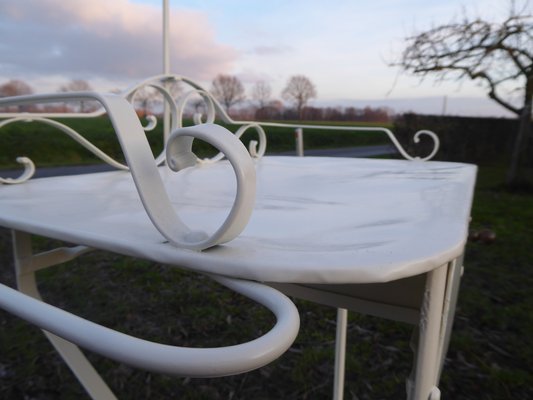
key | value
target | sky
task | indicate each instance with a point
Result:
(343, 46)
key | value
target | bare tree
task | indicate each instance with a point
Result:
(76, 85)
(15, 87)
(80, 85)
(261, 93)
(229, 90)
(174, 88)
(497, 55)
(145, 96)
(272, 110)
(299, 91)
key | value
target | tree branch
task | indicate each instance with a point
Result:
(494, 53)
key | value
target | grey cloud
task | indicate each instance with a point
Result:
(53, 37)
(270, 50)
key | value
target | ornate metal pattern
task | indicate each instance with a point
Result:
(177, 108)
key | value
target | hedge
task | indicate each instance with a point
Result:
(463, 139)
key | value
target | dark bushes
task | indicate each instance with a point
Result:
(464, 139)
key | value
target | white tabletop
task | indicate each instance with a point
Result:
(316, 220)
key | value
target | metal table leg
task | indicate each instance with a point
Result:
(340, 353)
(26, 264)
(430, 339)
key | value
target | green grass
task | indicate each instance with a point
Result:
(490, 349)
(47, 146)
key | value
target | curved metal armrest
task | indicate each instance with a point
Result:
(146, 176)
(183, 361)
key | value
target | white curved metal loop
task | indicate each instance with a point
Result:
(436, 143)
(212, 103)
(29, 171)
(252, 148)
(197, 117)
(179, 155)
(219, 110)
(407, 156)
(152, 123)
(161, 358)
(146, 176)
(167, 96)
(255, 152)
(29, 166)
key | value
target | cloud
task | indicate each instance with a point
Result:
(271, 50)
(105, 39)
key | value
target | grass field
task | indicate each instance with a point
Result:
(47, 146)
(490, 356)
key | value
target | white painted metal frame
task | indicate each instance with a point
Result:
(427, 368)
(176, 109)
(432, 311)
(179, 155)
(63, 329)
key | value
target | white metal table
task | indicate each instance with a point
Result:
(383, 237)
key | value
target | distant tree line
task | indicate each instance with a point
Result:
(231, 94)
(229, 91)
(298, 91)
(368, 114)
(17, 87)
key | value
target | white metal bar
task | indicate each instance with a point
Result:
(450, 304)
(184, 361)
(146, 176)
(340, 354)
(161, 358)
(353, 303)
(71, 354)
(299, 135)
(166, 50)
(214, 106)
(54, 257)
(430, 327)
(227, 119)
(166, 65)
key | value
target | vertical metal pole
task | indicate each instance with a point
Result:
(299, 142)
(430, 328)
(450, 304)
(166, 59)
(166, 66)
(340, 354)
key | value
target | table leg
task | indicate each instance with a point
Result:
(26, 264)
(450, 302)
(430, 331)
(340, 353)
